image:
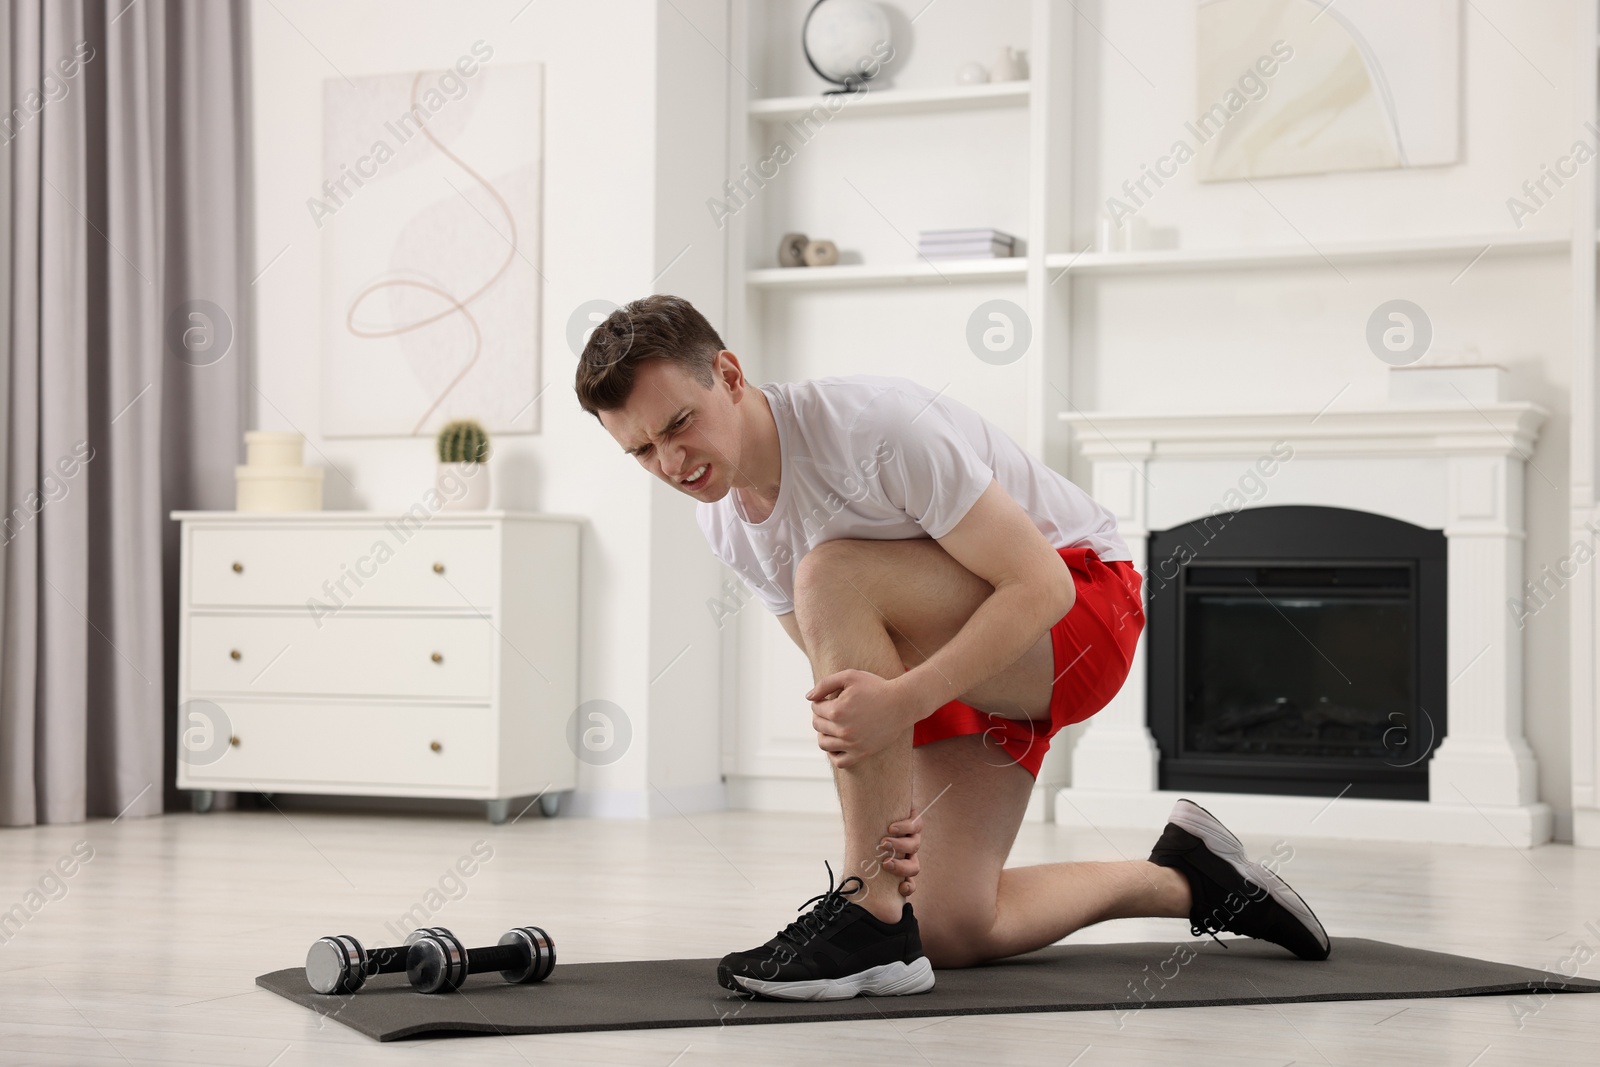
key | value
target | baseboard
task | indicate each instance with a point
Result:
(1561, 826)
(671, 800)
(805, 796)
(1292, 818)
(816, 796)
(606, 804)
(1586, 827)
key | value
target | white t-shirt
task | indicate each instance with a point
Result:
(886, 459)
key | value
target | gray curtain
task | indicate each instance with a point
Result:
(124, 283)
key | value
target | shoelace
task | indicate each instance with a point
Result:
(830, 902)
(1210, 925)
(1210, 930)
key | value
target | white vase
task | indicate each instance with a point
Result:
(463, 486)
(1011, 66)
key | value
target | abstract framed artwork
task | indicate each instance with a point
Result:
(429, 216)
(1314, 86)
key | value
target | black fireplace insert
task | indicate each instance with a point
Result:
(1297, 650)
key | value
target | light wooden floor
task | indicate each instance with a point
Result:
(151, 955)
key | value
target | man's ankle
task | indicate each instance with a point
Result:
(885, 906)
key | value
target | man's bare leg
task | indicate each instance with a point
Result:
(970, 906)
(842, 632)
(881, 605)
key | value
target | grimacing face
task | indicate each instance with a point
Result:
(674, 426)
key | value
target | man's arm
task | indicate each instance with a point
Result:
(1032, 589)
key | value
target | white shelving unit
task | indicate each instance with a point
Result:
(893, 102)
(1354, 253)
(925, 272)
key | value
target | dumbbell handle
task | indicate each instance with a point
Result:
(495, 958)
(386, 960)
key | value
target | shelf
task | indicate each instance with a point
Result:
(896, 101)
(1181, 259)
(914, 273)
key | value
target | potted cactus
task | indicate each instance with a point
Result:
(463, 476)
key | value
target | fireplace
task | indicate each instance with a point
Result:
(1413, 479)
(1297, 650)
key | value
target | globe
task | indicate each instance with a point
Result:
(846, 41)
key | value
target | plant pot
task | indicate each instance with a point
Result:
(463, 486)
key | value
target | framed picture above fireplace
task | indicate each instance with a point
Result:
(1297, 650)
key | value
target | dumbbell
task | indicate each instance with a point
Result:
(439, 962)
(341, 964)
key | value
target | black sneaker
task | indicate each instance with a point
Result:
(835, 951)
(1230, 893)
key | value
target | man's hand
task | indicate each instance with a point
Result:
(857, 714)
(900, 847)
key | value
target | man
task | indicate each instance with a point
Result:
(959, 603)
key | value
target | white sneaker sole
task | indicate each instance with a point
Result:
(1220, 840)
(888, 980)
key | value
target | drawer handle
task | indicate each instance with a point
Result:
(436, 746)
(238, 568)
(438, 568)
(438, 658)
(233, 654)
(234, 741)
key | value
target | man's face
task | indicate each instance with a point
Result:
(680, 431)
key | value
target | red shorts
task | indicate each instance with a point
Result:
(1093, 646)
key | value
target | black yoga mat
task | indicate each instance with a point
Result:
(1120, 977)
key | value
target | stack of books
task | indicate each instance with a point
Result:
(966, 244)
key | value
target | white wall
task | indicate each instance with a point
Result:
(686, 655)
(606, 233)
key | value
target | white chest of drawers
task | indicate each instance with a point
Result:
(422, 655)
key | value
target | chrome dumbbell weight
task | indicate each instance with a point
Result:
(438, 962)
(341, 964)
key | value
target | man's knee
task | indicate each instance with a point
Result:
(823, 578)
(827, 566)
(953, 939)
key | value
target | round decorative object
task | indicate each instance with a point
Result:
(846, 41)
(970, 73)
(792, 250)
(821, 254)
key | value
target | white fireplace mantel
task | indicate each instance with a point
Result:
(1459, 470)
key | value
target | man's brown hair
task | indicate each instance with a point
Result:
(656, 327)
